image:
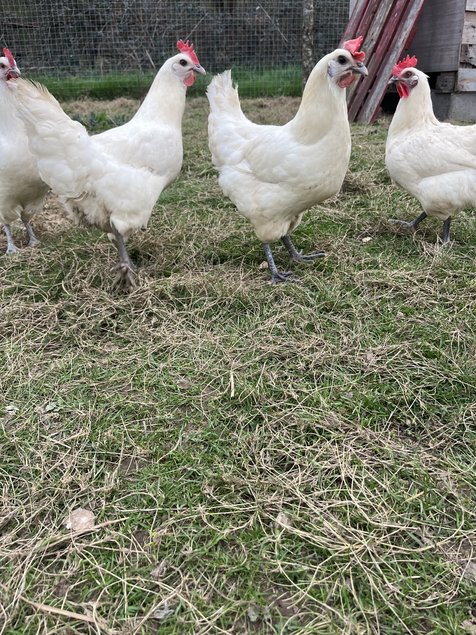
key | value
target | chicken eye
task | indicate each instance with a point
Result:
(183, 63)
(2, 66)
(408, 74)
(342, 59)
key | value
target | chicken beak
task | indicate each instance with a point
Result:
(199, 69)
(360, 69)
(392, 80)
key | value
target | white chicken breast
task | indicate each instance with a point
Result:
(274, 173)
(433, 161)
(22, 192)
(113, 180)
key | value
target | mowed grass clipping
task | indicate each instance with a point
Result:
(264, 459)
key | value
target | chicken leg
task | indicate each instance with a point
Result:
(298, 255)
(125, 270)
(32, 239)
(11, 247)
(276, 276)
(445, 238)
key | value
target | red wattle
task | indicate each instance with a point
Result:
(346, 80)
(189, 79)
(402, 90)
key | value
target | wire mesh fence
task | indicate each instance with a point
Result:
(121, 43)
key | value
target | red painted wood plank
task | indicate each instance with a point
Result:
(401, 33)
(372, 33)
(361, 19)
(387, 25)
(385, 37)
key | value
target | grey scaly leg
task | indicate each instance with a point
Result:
(298, 255)
(413, 225)
(124, 268)
(446, 231)
(32, 239)
(276, 276)
(11, 248)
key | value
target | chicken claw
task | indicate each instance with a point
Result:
(403, 224)
(298, 256)
(125, 270)
(125, 276)
(411, 226)
(283, 276)
(276, 276)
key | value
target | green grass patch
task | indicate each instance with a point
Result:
(259, 459)
(253, 83)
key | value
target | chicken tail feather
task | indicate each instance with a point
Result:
(223, 96)
(60, 145)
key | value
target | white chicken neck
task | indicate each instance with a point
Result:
(9, 117)
(165, 100)
(414, 110)
(322, 107)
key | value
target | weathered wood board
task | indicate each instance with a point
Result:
(466, 80)
(468, 54)
(469, 28)
(438, 35)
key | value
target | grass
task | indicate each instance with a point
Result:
(292, 459)
(253, 83)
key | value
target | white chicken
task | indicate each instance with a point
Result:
(433, 161)
(113, 180)
(274, 173)
(22, 192)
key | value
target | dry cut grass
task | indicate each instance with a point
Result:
(292, 459)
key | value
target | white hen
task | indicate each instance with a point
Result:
(433, 161)
(22, 192)
(274, 173)
(113, 180)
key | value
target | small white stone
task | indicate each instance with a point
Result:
(80, 519)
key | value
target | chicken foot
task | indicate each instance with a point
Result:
(298, 255)
(125, 270)
(276, 276)
(413, 225)
(445, 238)
(11, 247)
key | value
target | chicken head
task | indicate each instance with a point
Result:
(8, 66)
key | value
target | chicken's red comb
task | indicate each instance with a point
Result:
(353, 47)
(407, 62)
(186, 47)
(9, 56)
